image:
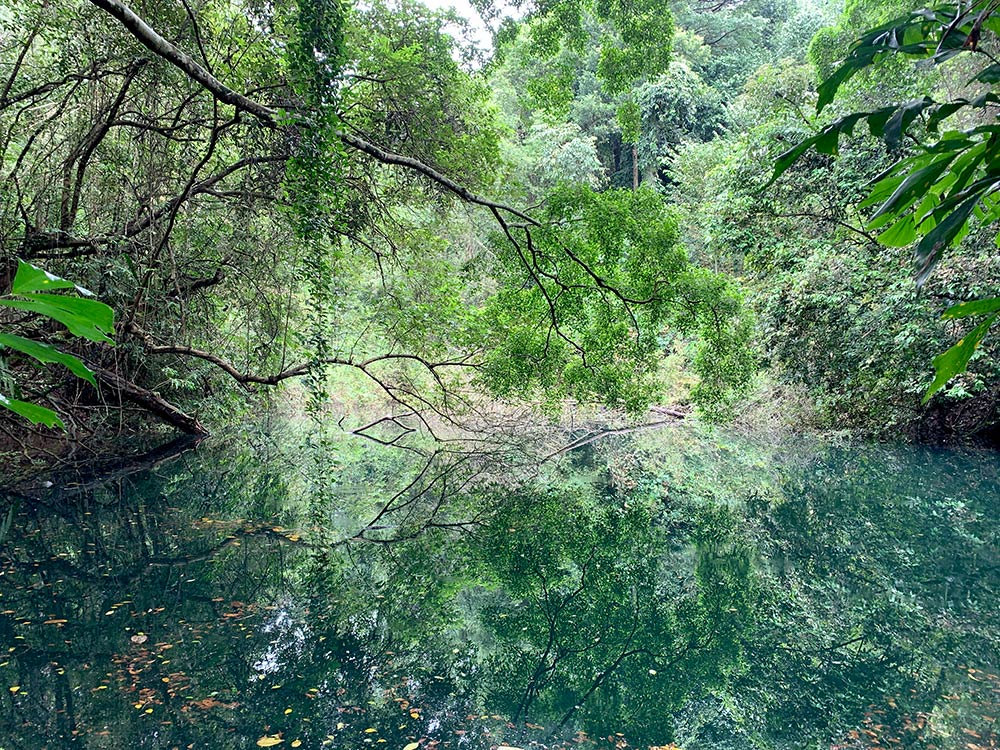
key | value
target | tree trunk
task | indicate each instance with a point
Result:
(151, 401)
(635, 167)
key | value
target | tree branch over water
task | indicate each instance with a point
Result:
(271, 117)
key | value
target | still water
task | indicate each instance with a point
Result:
(676, 587)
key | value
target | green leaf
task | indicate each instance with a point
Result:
(901, 119)
(32, 412)
(989, 74)
(881, 190)
(900, 234)
(975, 307)
(788, 158)
(966, 165)
(47, 354)
(31, 278)
(884, 39)
(915, 185)
(825, 141)
(954, 361)
(88, 318)
(929, 250)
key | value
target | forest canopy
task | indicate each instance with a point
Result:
(359, 197)
(272, 191)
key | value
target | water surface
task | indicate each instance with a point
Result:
(670, 587)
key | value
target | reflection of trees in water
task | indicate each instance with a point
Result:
(884, 566)
(102, 584)
(425, 600)
(604, 621)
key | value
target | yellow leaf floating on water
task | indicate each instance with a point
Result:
(287, 711)
(296, 743)
(370, 730)
(14, 688)
(269, 740)
(412, 746)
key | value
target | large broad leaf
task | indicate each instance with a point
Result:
(900, 234)
(950, 363)
(889, 123)
(826, 141)
(32, 412)
(917, 183)
(975, 307)
(899, 121)
(933, 244)
(88, 318)
(47, 354)
(914, 35)
(31, 278)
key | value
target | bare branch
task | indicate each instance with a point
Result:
(269, 117)
(169, 52)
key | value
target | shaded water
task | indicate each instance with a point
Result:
(673, 587)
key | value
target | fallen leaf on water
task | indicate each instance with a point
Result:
(296, 743)
(370, 730)
(412, 746)
(269, 740)
(55, 622)
(287, 711)
(14, 688)
(139, 638)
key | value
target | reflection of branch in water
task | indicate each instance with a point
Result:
(626, 653)
(532, 690)
(675, 416)
(406, 501)
(234, 539)
(138, 569)
(404, 430)
(93, 475)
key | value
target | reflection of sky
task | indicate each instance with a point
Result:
(289, 635)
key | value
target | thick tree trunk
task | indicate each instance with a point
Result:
(151, 401)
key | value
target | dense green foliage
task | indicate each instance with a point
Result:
(278, 193)
(308, 188)
(930, 197)
(828, 254)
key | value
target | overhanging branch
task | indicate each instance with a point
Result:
(270, 117)
(159, 46)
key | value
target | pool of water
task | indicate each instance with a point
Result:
(679, 587)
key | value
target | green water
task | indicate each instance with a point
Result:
(669, 587)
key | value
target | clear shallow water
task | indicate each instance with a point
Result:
(667, 588)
